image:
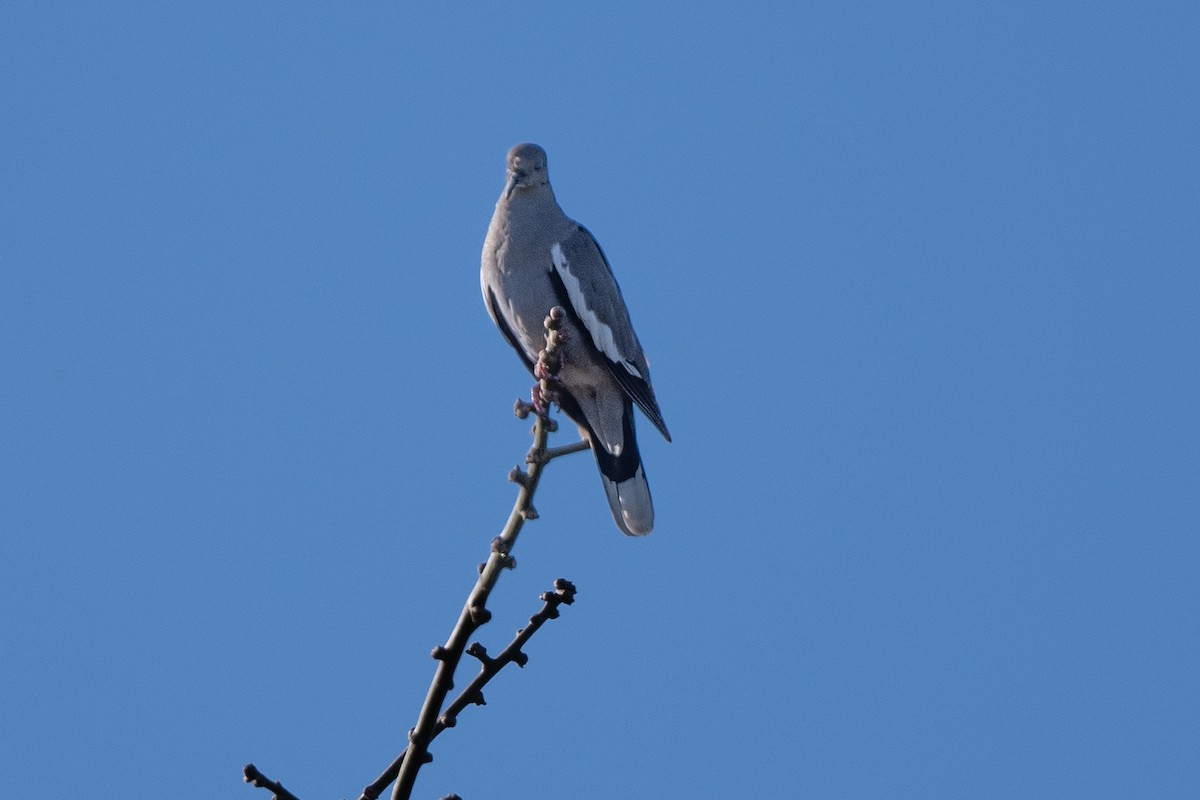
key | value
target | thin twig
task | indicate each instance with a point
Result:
(564, 592)
(252, 776)
(474, 612)
(430, 721)
(566, 450)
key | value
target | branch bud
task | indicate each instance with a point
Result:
(476, 650)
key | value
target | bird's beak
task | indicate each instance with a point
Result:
(514, 180)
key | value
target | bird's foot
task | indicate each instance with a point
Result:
(542, 395)
(541, 403)
(547, 366)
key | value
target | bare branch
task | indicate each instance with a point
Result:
(564, 593)
(252, 776)
(432, 720)
(566, 450)
(474, 612)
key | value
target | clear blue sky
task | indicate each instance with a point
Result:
(920, 288)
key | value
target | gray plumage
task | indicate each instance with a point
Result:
(535, 258)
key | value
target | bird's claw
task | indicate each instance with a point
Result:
(540, 403)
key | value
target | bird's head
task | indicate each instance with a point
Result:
(526, 168)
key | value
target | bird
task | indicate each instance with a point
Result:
(535, 257)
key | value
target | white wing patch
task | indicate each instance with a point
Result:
(602, 334)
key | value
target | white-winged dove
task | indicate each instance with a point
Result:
(535, 258)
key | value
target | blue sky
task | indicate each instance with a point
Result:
(919, 286)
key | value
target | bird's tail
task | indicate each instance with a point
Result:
(624, 480)
(630, 502)
(622, 474)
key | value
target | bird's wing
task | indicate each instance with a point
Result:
(586, 288)
(506, 328)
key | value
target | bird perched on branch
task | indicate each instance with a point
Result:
(535, 258)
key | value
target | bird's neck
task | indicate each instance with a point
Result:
(531, 212)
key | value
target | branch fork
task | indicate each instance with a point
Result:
(435, 715)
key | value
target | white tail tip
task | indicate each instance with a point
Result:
(630, 502)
